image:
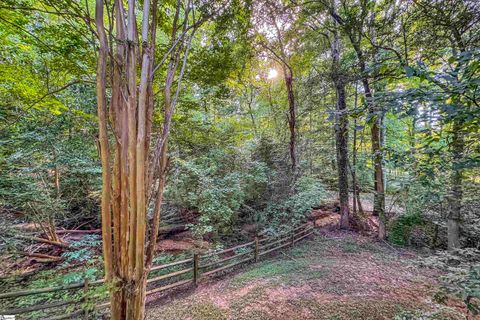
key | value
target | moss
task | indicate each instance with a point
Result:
(253, 315)
(355, 246)
(350, 247)
(207, 311)
(443, 314)
(270, 269)
(301, 251)
(365, 309)
(195, 311)
(252, 298)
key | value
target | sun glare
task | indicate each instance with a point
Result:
(272, 73)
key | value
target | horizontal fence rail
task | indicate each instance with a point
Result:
(187, 271)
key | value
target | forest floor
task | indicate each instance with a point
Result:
(333, 275)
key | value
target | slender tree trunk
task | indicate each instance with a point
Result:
(310, 144)
(413, 149)
(342, 155)
(341, 132)
(354, 164)
(250, 111)
(379, 194)
(103, 140)
(57, 182)
(355, 37)
(56, 173)
(455, 196)
(456, 191)
(282, 57)
(354, 157)
(292, 119)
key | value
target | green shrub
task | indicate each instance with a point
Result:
(308, 193)
(465, 284)
(84, 250)
(401, 228)
(53, 278)
(217, 187)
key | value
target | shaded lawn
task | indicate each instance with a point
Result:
(339, 277)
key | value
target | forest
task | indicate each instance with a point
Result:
(240, 159)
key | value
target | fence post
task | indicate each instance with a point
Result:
(196, 261)
(85, 298)
(256, 249)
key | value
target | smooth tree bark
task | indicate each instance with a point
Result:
(133, 173)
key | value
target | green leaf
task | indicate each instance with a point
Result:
(409, 71)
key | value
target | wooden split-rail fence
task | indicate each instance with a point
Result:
(51, 304)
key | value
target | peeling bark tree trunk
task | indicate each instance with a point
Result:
(341, 132)
(133, 175)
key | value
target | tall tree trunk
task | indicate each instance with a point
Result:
(292, 119)
(250, 110)
(456, 190)
(412, 141)
(379, 195)
(379, 192)
(282, 57)
(310, 144)
(342, 155)
(103, 140)
(456, 180)
(355, 188)
(56, 172)
(57, 181)
(341, 132)
(355, 37)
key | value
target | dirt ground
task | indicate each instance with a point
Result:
(333, 275)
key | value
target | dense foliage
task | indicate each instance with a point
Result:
(410, 69)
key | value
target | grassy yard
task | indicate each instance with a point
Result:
(337, 276)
